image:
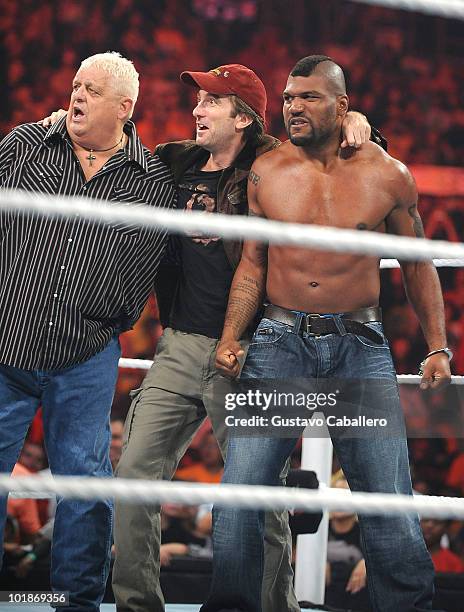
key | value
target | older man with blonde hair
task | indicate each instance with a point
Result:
(68, 288)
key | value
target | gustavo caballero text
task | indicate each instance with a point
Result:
(297, 421)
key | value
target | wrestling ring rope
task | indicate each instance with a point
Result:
(244, 496)
(238, 496)
(408, 379)
(453, 9)
(275, 232)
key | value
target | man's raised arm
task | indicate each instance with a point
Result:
(421, 283)
(247, 291)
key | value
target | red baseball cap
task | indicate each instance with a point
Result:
(231, 79)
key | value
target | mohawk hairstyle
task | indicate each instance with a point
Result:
(332, 71)
(307, 65)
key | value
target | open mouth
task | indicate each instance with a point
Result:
(297, 122)
(201, 127)
(77, 112)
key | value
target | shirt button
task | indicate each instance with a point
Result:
(55, 295)
(62, 267)
(69, 239)
(84, 188)
(50, 323)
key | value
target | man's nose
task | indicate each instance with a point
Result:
(198, 111)
(296, 106)
(79, 94)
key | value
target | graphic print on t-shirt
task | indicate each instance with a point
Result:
(202, 199)
(206, 273)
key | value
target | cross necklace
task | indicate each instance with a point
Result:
(91, 157)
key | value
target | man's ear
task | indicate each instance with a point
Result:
(126, 107)
(242, 121)
(342, 104)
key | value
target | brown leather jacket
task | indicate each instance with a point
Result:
(231, 200)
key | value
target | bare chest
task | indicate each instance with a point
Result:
(353, 200)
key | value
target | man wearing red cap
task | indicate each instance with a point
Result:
(182, 387)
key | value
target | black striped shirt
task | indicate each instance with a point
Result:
(68, 285)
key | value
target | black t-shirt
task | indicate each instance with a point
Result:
(344, 547)
(206, 276)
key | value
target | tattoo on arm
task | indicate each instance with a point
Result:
(245, 298)
(254, 178)
(261, 254)
(250, 280)
(243, 304)
(417, 221)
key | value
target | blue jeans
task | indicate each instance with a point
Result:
(399, 569)
(76, 404)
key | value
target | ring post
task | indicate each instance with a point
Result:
(311, 551)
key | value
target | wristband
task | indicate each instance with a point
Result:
(448, 352)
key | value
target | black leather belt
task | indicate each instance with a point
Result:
(319, 325)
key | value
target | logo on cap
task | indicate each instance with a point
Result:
(218, 72)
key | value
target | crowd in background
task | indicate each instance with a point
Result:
(404, 71)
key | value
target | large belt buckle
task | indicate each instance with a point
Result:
(308, 323)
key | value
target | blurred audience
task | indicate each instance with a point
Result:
(421, 96)
(210, 466)
(27, 541)
(33, 457)
(444, 560)
(185, 530)
(117, 431)
(24, 511)
(346, 568)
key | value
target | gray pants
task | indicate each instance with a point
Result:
(177, 394)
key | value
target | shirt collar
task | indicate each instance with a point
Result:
(134, 148)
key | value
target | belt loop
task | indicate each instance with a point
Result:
(297, 325)
(340, 325)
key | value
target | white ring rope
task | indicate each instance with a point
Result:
(237, 496)
(388, 264)
(444, 8)
(237, 226)
(135, 364)
(415, 379)
(408, 379)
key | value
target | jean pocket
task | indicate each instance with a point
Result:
(268, 333)
(367, 342)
